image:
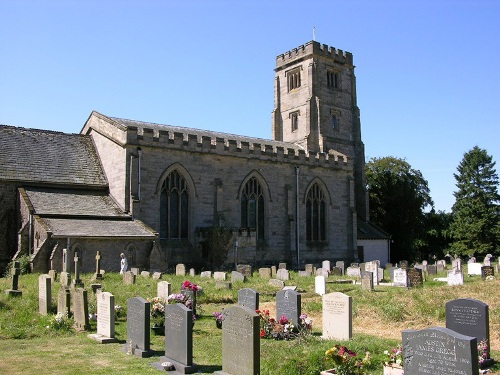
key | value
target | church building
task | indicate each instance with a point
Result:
(150, 190)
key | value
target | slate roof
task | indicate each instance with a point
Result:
(61, 227)
(42, 156)
(73, 203)
(369, 231)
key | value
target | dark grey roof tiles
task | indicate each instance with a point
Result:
(73, 203)
(42, 156)
(369, 231)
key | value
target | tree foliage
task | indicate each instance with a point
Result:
(398, 197)
(475, 225)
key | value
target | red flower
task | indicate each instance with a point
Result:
(262, 333)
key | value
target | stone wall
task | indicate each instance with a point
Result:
(8, 224)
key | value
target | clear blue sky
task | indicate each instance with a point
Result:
(428, 72)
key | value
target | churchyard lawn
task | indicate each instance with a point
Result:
(30, 343)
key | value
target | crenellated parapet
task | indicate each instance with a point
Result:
(313, 47)
(143, 134)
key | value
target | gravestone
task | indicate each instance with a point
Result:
(129, 278)
(309, 268)
(336, 271)
(340, 264)
(53, 275)
(388, 266)
(178, 339)
(439, 351)
(457, 264)
(373, 267)
(320, 285)
(64, 301)
(432, 269)
(240, 342)
(487, 271)
(180, 270)
(469, 317)
(487, 260)
(353, 272)
(337, 316)
(157, 275)
(223, 285)
(282, 266)
(15, 272)
(81, 309)
(265, 273)
(283, 274)
(474, 268)
(98, 274)
(249, 298)
(77, 282)
(245, 269)
(44, 294)
(221, 276)
(65, 279)
(237, 277)
(288, 304)
(206, 274)
(326, 265)
(136, 271)
(192, 272)
(440, 265)
(146, 274)
(455, 277)
(400, 277)
(273, 271)
(304, 273)
(415, 278)
(138, 327)
(367, 280)
(403, 264)
(322, 272)
(163, 289)
(105, 318)
(277, 283)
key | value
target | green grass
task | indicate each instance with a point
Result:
(27, 346)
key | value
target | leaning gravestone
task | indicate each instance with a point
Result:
(240, 342)
(81, 309)
(249, 298)
(138, 327)
(129, 278)
(44, 294)
(439, 351)
(245, 269)
(105, 318)
(337, 316)
(288, 304)
(178, 340)
(470, 317)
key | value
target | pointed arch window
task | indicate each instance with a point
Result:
(316, 214)
(252, 207)
(174, 207)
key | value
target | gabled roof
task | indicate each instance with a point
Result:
(48, 157)
(369, 231)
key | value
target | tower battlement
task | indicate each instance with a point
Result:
(315, 48)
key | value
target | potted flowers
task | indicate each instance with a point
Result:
(394, 363)
(157, 314)
(219, 317)
(189, 289)
(345, 361)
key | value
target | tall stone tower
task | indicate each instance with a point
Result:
(315, 106)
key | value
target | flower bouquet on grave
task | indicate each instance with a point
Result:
(394, 364)
(190, 289)
(185, 299)
(219, 317)
(270, 328)
(345, 361)
(157, 311)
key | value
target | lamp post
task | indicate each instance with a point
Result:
(236, 243)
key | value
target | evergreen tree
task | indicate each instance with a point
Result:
(398, 196)
(475, 225)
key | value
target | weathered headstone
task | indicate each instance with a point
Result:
(277, 283)
(373, 267)
(15, 272)
(403, 264)
(245, 269)
(77, 282)
(367, 280)
(240, 342)
(180, 270)
(309, 268)
(81, 309)
(322, 272)
(304, 273)
(206, 274)
(326, 265)
(400, 277)
(138, 327)
(146, 274)
(455, 277)
(320, 285)
(178, 339)
(64, 301)
(415, 278)
(432, 269)
(249, 298)
(340, 264)
(163, 289)
(337, 316)
(157, 275)
(265, 273)
(129, 278)
(219, 284)
(288, 304)
(136, 271)
(336, 271)
(457, 264)
(469, 317)
(282, 266)
(487, 271)
(44, 294)
(237, 277)
(283, 274)
(221, 276)
(105, 318)
(439, 351)
(273, 271)
(192, 272)
(441, 264)
(53, 275)
(353, 272)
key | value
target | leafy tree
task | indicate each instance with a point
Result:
(436, 238)
(398, 196)
(475, 225)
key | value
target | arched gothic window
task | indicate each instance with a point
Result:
(174, 207)
(315, 214)
(252, 207)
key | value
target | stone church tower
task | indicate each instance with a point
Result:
(315, 106)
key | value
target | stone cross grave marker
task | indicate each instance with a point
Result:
(15, 272)
(439, 350)
(44, 294)
(105, 318)
(81, 309)
(337, 316)
(240, 342)
(98, 274)
(288, 304)
(77, 282)
(470, 317)
(178, 339)
(138, 328)
(249, 298)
